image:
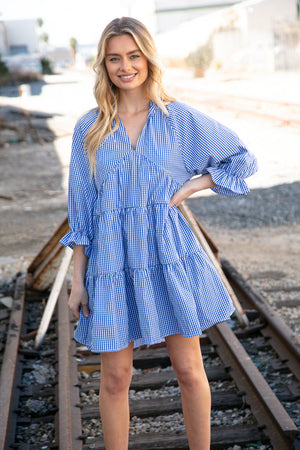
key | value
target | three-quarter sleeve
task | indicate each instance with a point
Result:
(207, 146)
(82, 195)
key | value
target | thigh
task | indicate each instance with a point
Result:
(114, 361)
(184, 352)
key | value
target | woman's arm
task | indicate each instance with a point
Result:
(190, 187)
(79, 295)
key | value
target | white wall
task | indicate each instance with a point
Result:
(243, 36)
(22, 33)
(171, 13)
(186, 37)
(257, 49)
(3, 41)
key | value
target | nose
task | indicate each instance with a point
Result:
(125, 65)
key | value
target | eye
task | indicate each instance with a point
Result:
(134, 56)
(113, 59)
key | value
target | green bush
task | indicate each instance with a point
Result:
(201, 58)
(46, 66)
(3, 68)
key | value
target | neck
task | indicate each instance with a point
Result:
(132, 103)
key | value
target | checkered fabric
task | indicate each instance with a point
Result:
(147, 275)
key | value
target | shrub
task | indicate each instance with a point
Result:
(201, 58)
(46, 66)
(3, 68)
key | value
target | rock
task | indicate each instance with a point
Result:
(6, 301)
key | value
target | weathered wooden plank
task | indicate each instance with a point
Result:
(50, 245)
(51, 302)
(42, 270)
(221, 437)
(155, 380)
(142, 358)
(169, 405)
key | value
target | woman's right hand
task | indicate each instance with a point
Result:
(79, 298)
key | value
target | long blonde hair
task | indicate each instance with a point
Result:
(107, 94)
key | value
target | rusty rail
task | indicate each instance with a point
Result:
(284, 112)
(266, 407)
(69, 418)
(9, 378)
(276, 332)
(274, 422)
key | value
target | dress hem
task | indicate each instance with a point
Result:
(139, 342)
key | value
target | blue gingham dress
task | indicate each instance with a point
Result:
(147, 275)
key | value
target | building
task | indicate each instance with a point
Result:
(172, 13)
(19, 46)
(18, 37)
(255, 35)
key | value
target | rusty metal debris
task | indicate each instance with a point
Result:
(42, 271)
(21, 125)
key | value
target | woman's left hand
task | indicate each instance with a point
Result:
(190, 186)
(184, 192)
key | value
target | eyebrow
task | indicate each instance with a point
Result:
(129, 53)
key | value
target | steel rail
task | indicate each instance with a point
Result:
(266, 407)
(230, 96)
(229, 102)
(69, 416)
(10, 370)
(276, 332)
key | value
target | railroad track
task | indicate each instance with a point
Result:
(48, 395)
(284, 113)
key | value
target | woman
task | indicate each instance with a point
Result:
(140, 274)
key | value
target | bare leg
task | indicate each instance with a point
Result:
(186, 358)
(116, 373)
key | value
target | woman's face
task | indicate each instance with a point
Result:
(126, 65)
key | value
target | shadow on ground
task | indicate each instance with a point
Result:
(274, 206)
(36, 87)
(32, 198)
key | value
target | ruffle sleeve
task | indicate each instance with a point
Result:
(207, 146)
(82, 195)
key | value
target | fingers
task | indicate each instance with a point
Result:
(180, 195)
(76, 310)
(76, 305)
(176, 200)
(173, 200)
(187, 189)
(85, 309)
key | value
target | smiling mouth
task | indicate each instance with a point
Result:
(127, 77)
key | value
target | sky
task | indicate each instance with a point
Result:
(85, 21)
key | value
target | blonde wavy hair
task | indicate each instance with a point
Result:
(107, 94)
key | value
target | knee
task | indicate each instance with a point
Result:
(116, 381)
(191, 378)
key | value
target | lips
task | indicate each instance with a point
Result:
(127, 77)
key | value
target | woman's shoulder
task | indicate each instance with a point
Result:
(87, 119)
(182, 110)
(184, 115)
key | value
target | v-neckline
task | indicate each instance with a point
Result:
(141, 133)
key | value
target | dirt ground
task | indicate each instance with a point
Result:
(33, 181)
